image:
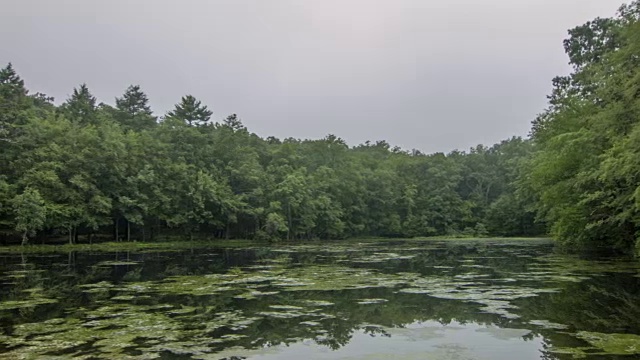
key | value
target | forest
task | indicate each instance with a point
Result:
(85, 170)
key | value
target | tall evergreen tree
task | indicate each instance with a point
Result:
(81, 106)
(13, 101)
(133, 110)
(233, 122)
(191, 111)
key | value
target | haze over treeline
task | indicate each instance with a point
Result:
(118, 170)
(386, 69)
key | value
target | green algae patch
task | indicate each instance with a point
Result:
(34, 297)
(371, 301)
(574, 352)
(614, 344)
(380, 257)
(331, 278)
(282, 314)
(504, 333)
(254, 294)
(545, 324)
(27, 303)
(290, 311)
(285, 307)
(311, 278)
(318, 303)
(111, 330)
(102, 285)
(117, 263)
(474, 288)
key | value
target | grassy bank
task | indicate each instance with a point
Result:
(183, 245)
(126, 246)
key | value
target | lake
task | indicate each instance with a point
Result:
(456, 299)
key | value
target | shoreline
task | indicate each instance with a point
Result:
(185, 245)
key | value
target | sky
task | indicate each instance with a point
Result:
(432, 75)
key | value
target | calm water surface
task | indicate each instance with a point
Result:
(438, 300)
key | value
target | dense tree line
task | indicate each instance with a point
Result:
(585, 172)
(85, 167)
(91, 168)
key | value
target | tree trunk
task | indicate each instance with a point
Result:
(226, 232)
(289, 220)
(128, 231)
(75, 235)
(25, 239)
(70, 236)
(116, 220)
(486, 194)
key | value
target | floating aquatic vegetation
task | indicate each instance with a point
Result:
(381, 257)
(504, 333)
(26, 303)
(282, 259)
(548, 325)
(282, 314)
(321, 278)
(238, 352)
(111, 330)
(371, 301)
(475, 266)
(318, 303)
(136, 287)
(310, 323)
(182, 310)
(180, 348)
(33, 300)
(471, 276)
(574, 352)
(21, 274)
(496, 299)
(614, 344)
(117, 263)
(499, 307)
(317, 294)
(285, 307)
(253, 294)
(415, 291)
(97, 287)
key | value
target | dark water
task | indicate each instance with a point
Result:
(373, 300)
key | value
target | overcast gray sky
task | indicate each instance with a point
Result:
(427, 74)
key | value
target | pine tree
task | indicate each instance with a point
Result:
(13, 99)
(233, 122)
(134, 112)
(81, 106)
(191, 111)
